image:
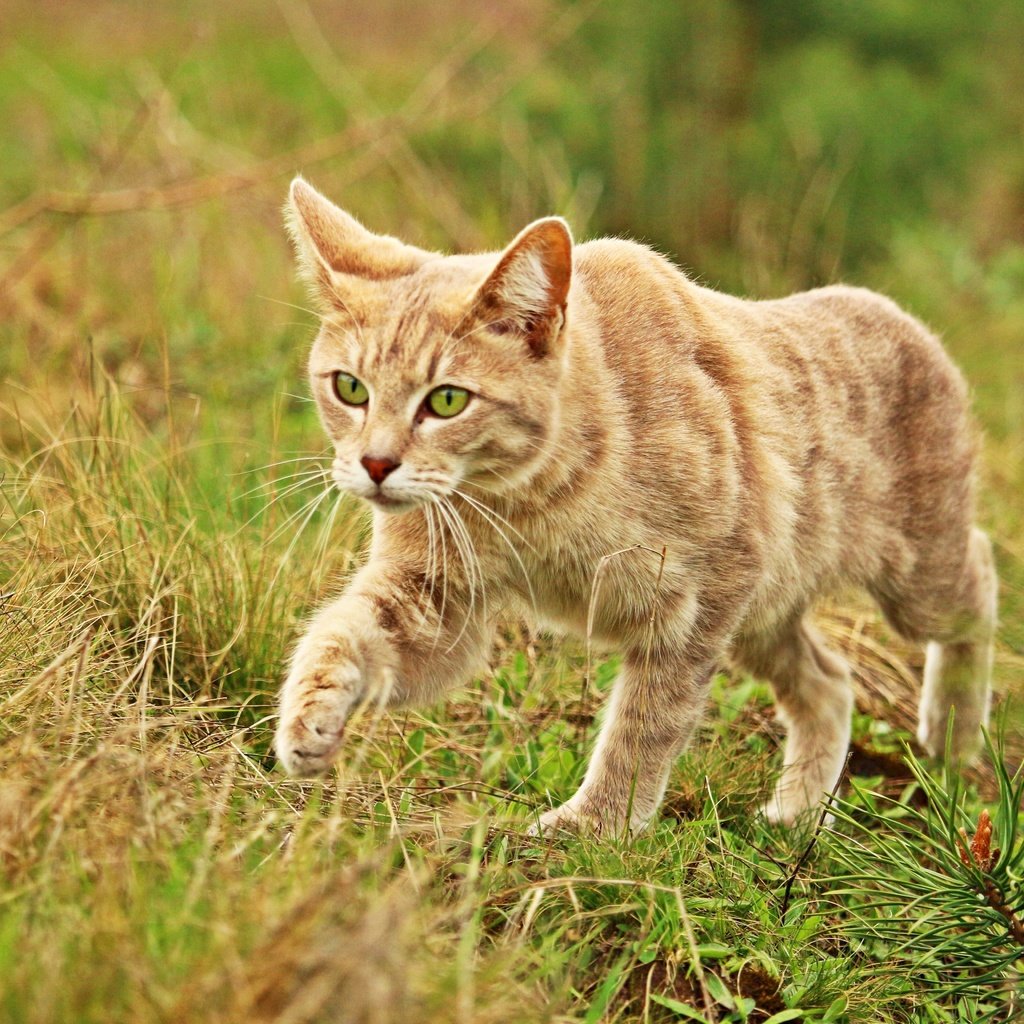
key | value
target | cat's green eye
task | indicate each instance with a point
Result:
(447, 401)
(350, 390)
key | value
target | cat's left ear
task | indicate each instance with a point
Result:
(527, 291)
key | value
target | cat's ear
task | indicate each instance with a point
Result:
(335, 251)
(527, 291)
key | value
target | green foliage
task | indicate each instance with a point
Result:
(936, 895)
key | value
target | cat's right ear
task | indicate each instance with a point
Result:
(336, 253)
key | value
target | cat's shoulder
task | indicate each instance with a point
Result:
(618, 268)
(620, 255)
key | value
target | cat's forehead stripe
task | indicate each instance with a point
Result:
(416, 340)
(400, 332)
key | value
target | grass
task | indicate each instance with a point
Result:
(155, 443)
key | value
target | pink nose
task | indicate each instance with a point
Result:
(378, 469)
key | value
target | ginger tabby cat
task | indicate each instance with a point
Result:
(516, 418)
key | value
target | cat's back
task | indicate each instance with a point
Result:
(851, 363)
(842, 349)
(809, 413)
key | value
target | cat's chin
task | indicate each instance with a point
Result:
(393, 506)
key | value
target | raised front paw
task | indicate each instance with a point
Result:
(315, 705)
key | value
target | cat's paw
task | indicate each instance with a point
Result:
(774, 813)
(583, 817)
(783, 810)
(315, 707)
(563, 819)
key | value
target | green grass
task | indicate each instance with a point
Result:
(155, 864)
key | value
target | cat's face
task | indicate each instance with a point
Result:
(432, 374)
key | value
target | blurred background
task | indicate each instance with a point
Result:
(765, 145)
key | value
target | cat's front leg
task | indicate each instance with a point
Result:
(654, 708)
(392, 638)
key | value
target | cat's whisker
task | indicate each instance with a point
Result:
(475, 555)
(290, 305)
(312, 507)
(471, 565)
(326, 529)
(486, 514)
(282, 486)
(491, 512)
(433, 568)
(469, 560)
(593, 500)
(282, 478)
(450, 531)
(506, 498)
(297, 481)
(444, 563)
(325, 454)
(288, 491)
(428, 568)
(437, 536)
(550, 444)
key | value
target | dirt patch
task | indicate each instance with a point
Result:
(895, 776)
(754, 982)
(664, 978)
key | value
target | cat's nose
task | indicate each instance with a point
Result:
(378, 469)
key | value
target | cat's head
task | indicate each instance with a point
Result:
(432, 373)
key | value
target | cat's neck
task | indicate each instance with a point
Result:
(577, 439)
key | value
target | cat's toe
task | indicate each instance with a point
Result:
(558, 819)
(779, 811)
(772, 813)
(305, 752)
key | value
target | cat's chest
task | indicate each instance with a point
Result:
(586, 586)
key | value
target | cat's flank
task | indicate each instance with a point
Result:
(524, 423)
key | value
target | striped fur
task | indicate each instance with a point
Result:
(774, 451)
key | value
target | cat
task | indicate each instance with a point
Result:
(524, 422)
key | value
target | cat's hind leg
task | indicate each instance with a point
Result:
(950, 602)
(814, 700)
